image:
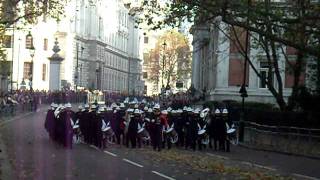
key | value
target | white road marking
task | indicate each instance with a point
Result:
(258, 165)
(265, 167)
(110, 153)
(94, 147)
(247, 163)
(305, 177)
(162, 175)
(218, 156)
(133, 163)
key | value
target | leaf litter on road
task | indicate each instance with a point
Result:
(205, 163)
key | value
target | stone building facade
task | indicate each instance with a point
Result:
(98, 41)
(218, 67)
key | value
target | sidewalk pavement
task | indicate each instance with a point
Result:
(298, 166)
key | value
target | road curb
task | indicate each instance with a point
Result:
(275, 151)
(6, 170)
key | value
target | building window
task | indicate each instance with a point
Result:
(145, 75)
(264, 69)
(45, 44)
(7, 41)
(44, 72)
(27, 70)
(146, 40)
(29, 42)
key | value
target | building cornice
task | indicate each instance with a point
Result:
(106, 66)
(108, 47)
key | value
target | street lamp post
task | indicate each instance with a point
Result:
(163, 63)
(32, 51)
(243, 90)
(29, 45)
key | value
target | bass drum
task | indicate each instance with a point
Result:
(144, 135)
(205, 139)
(233, 136)
(173, 137)
(109, 136)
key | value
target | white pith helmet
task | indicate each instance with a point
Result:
(122, 105)
(196, 111)
(189, 109)
(68, 105)
(185, 108)
(130, 110)
(179, 111)
(225, 111)
(164, 112)
(157, 106)
(136, 111)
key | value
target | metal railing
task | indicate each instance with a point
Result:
(284, 130)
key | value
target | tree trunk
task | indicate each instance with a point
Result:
(299, 62)
(296, 81)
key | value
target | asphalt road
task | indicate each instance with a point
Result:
(33, 156)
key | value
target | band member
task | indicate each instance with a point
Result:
(157, 131)
(213, 128)
(133, 127)
(221, 132)
(179, 126)
(164, 122)
(84, 122)
(50, 122)
(67, 116)
(228, 123)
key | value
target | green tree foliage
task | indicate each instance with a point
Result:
(276, 24)
(286, 17)
(23, 12)
(171, 60)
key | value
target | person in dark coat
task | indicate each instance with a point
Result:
(193, 129)
(92, 123)
(97, 121)
(149, 125)
(201, 124)
(133, 127)
(221, 132)
(170, 120)
(59, 126)
(50, 122)
(228, 123)
(121, 129)
(188, 128)
(179, 126)
(157, 131)
(67, 116)
(76, 122)
(117, 121)
(84, 123)
(213, 128)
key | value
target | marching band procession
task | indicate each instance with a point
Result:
(136, 124)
